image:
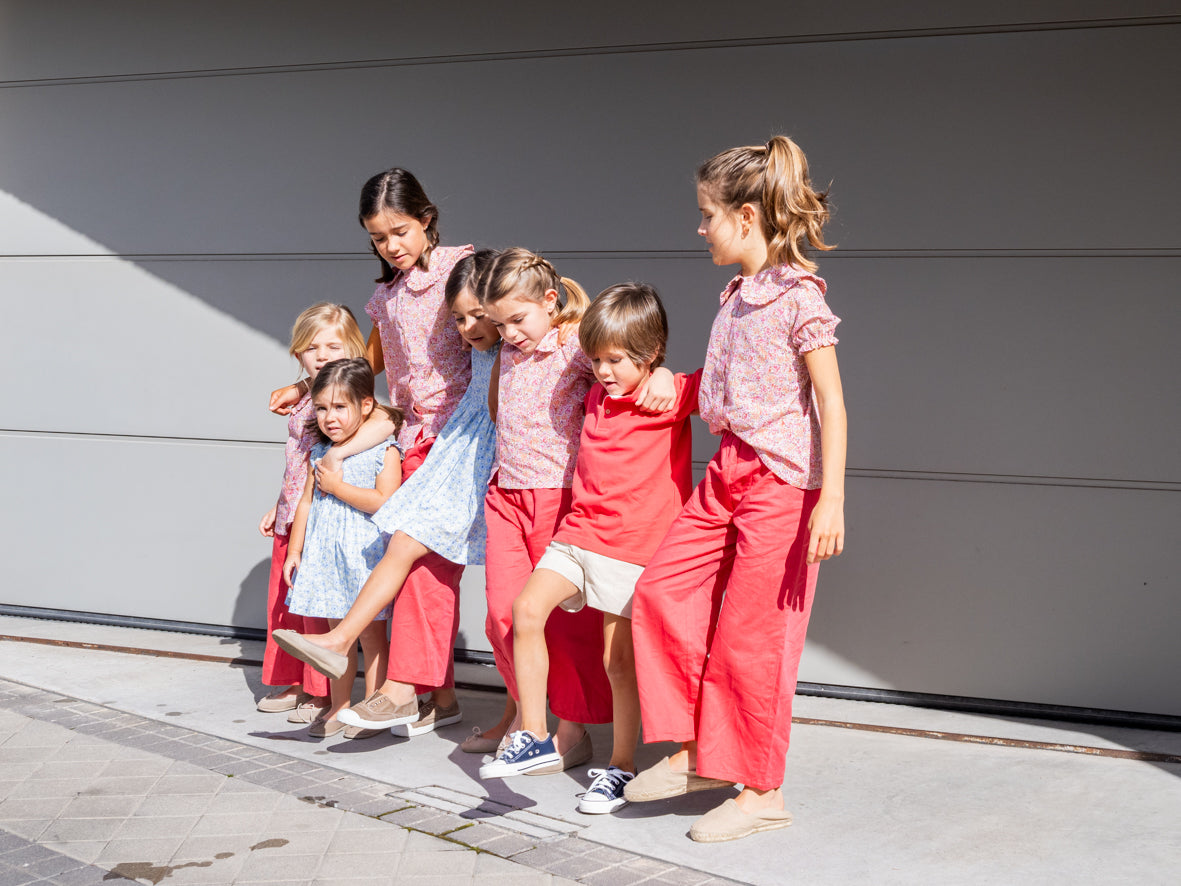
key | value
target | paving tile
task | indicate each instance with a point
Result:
(188, 784)
(280, 866)
(140, 768)
(418, 842)
(174, 804)
(417, 864)
(85, 806)
(238, 803)
(41, 788)
(138, 849)
(83, 850)
(30, 829)
(28, 807)
(85, 875)
(217, 824)
(69, 830)
(153, 826)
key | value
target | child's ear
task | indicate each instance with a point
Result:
(550, 297)
(367, 406)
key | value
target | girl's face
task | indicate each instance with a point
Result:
(399, 239)
(337, 415)
(722, 230)
(324, 347)
(617, 373)
(472, 322)
(523, 322)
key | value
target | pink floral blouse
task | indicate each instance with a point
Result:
(427, 365)
(299, 443)
(755, 382)
(539, 413)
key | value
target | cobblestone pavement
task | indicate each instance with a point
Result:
(89, 794)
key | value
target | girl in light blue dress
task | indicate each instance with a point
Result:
(440, 508)
(334, 544)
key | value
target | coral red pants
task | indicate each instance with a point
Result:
(279, 668)
(425, 617)
(719, 619)
(521, 522)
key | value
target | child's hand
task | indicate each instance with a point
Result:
(827, 530)
(290, 566)
(328, 479)
(284, 399)
(658, 393)
(267, 524)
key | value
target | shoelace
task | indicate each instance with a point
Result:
(519, 742)
(609, 782)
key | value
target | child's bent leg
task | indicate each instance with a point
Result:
(620, 661)
(341, 688)
(542, 594)
(379, 590)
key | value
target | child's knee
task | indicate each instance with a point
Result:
(529, 613)
(620, 663)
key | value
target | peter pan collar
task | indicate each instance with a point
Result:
(768, 284)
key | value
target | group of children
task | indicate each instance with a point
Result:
(536, 432)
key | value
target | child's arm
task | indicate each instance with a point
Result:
(377, 427)
(299, 525)
(494, 390)
(283, 399)
(368, 500)
(373, 352)
(266, 525)
(827, 523)
(658, 393)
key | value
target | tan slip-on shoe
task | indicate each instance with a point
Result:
(330, 664)
(729, 822)
(307, 712)
(358, 732)
(379, 712)
(476, 743)
(576, 756)
(430, 718)
(280, 704)
(659, 782)
(322, 728)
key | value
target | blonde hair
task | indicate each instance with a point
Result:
(520, 273)
(326, 315)
(774, 178)
(630, 317)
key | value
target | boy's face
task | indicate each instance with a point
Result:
(617, 373)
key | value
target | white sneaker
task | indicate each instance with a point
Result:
(606, 791)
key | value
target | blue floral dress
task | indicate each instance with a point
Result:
(341, 545)
(442, 504)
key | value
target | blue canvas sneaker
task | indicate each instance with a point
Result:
(606, 791)
(525, 752)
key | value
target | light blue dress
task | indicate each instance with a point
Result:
(442, 504)
(341, 545)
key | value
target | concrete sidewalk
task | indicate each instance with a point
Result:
(160, 770)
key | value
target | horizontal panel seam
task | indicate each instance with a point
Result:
(861, 473)
(611, 254)
(611, 49)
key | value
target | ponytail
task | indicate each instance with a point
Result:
(575, 305)
(774, 178)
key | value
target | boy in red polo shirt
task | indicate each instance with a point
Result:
(633, 475)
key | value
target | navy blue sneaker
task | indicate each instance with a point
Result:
(606, 791)
(525, 752)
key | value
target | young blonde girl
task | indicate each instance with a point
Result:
(633, 474)
(322, 333)
(334, 545)
(428, 370)
(721, 611)
(439, 509)
(544, 378)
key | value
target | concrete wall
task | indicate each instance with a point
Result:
(178, 180)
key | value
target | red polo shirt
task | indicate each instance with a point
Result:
(633, 475)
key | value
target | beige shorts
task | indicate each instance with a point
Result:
(603, 583)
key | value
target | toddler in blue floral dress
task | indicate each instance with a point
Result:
(334, 544)
(439, 509)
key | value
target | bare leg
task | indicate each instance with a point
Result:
(379, 591)
(341, 688)
(619, 658)
(543, 592)
(377, 653)
(754, 800)
(684, 759)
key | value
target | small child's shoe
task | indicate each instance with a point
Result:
(525, 751)
(478, 743)
(606, 791)
(430, 718)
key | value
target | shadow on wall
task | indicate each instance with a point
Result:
(250, 607)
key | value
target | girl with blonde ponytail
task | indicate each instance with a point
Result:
(720, 613)
(543, 380)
